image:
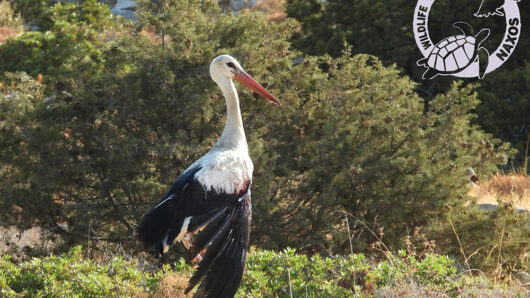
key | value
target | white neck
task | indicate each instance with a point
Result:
(233, 134)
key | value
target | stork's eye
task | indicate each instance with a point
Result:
(231, 65)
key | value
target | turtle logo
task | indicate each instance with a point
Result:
(455, 53)
(463, 55)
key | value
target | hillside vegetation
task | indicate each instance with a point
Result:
(268, 274)
(98, 116)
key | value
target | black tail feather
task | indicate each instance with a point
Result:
(213, 252)
(224, 261)
(220, 284)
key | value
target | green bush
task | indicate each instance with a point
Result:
(89, 13)
(72, 275)
(434, 271)
(66, 52)
(57, 55)
(270, 274)
(43, 14)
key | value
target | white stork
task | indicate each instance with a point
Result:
(212, 198)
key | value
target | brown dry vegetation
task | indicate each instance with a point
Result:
(10, 23)
(513, 188)
(156, 38)
(172, 285)
(6, 31)
(409, 288)
(273, 8)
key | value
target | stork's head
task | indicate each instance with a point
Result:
(225, 68)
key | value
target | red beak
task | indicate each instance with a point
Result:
(248, 81)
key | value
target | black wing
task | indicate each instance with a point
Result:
(186, 198)
(225, 220)
(222, 267)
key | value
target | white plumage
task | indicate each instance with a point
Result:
(225, 170)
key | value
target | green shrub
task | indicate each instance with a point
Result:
(65, 55)
(43, 14)
(271, 274)
(364, 144)
(268, 274)
(89, 13)
(438, 272)
(67, 50)
(384, 29)
(71, 275)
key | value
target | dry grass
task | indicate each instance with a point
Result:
(273, 8)
(172, 285)
(509, 188)
(6, 31)
(410, 288)
(156, 38)
(10, 23)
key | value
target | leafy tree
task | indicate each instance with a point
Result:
(355, 138)
(369, 149)
(65, 53)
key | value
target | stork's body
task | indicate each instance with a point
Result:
(211, 198)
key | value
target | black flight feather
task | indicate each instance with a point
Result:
(154, 225)
(187, 197)
(215, 249)
(224, 275)
(198, 222)
(210, 233)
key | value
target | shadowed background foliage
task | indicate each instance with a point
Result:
(384, 29)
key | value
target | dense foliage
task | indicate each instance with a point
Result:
(66, 52)
(115, 118)
(73, 275)
(44, 14)
(268, 274)
(384, 29)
